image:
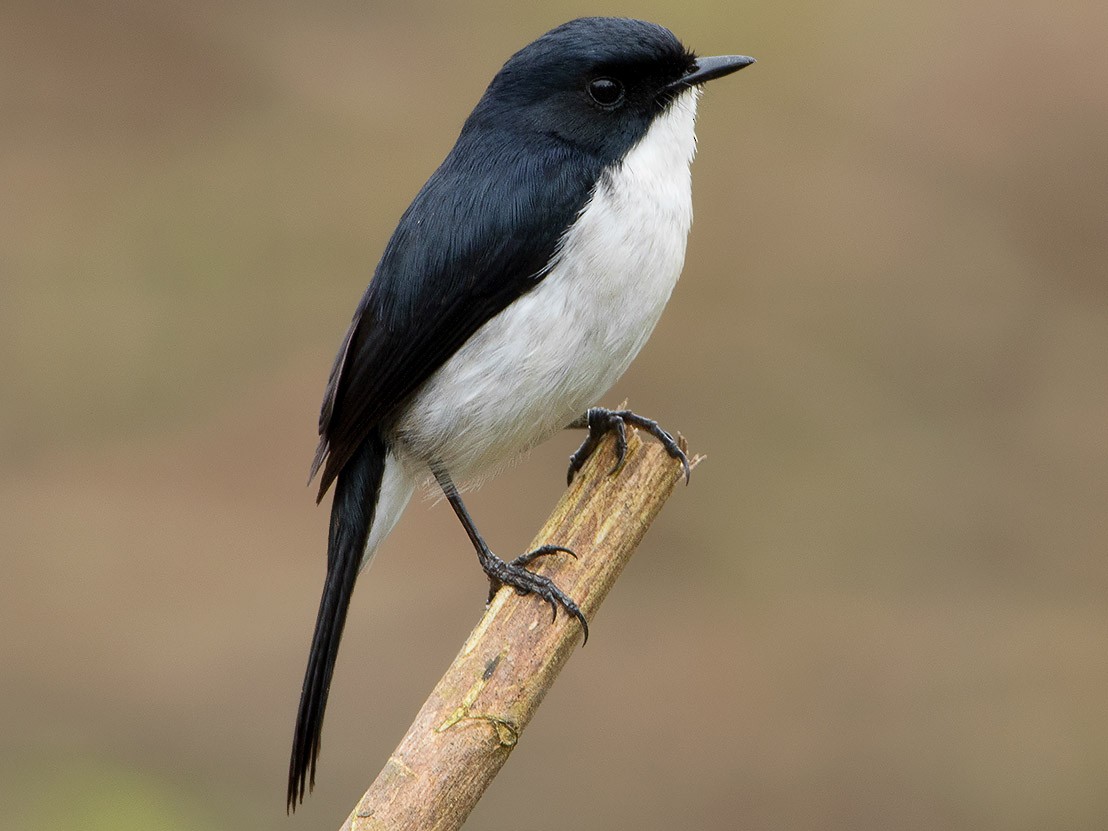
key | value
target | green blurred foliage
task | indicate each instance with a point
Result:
(96, 797)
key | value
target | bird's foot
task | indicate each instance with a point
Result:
(524, 581)
(601, 421)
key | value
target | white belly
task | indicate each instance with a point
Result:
(555, 351)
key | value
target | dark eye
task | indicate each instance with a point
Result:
(607, 92)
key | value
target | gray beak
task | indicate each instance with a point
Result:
(709, 68)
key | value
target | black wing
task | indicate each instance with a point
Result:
(480, 233)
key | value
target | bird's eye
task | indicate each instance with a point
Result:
(607, 92)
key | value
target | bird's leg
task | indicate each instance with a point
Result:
(600, 421)
(514, 573)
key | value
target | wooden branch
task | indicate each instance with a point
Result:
(476, 713)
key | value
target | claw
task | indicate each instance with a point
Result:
(578, 459)
(584, 626)
(601, 421)
(524, 581)
(524, 559)
(621, 446)
(515, 573)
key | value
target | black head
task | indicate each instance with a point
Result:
(595, 83)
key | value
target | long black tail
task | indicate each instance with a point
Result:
(356, 492)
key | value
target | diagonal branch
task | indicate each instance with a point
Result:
(477, 711)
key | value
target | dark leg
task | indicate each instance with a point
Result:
(601, 421)
(512, 574)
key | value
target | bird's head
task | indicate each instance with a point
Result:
(596, 83)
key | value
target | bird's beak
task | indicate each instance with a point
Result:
(708, 68)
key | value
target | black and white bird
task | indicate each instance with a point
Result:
(523, 279)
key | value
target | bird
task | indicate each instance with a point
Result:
(518, 286)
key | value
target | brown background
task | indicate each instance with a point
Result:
(881, 603)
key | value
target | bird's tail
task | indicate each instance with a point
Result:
(352, 511)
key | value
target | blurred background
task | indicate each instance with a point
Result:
(880, 604)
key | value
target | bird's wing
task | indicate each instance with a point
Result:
(480, 233)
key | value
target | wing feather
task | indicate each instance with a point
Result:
(482, 232)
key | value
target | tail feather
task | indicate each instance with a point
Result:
(352, 511)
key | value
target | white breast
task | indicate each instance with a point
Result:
(553, 352)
